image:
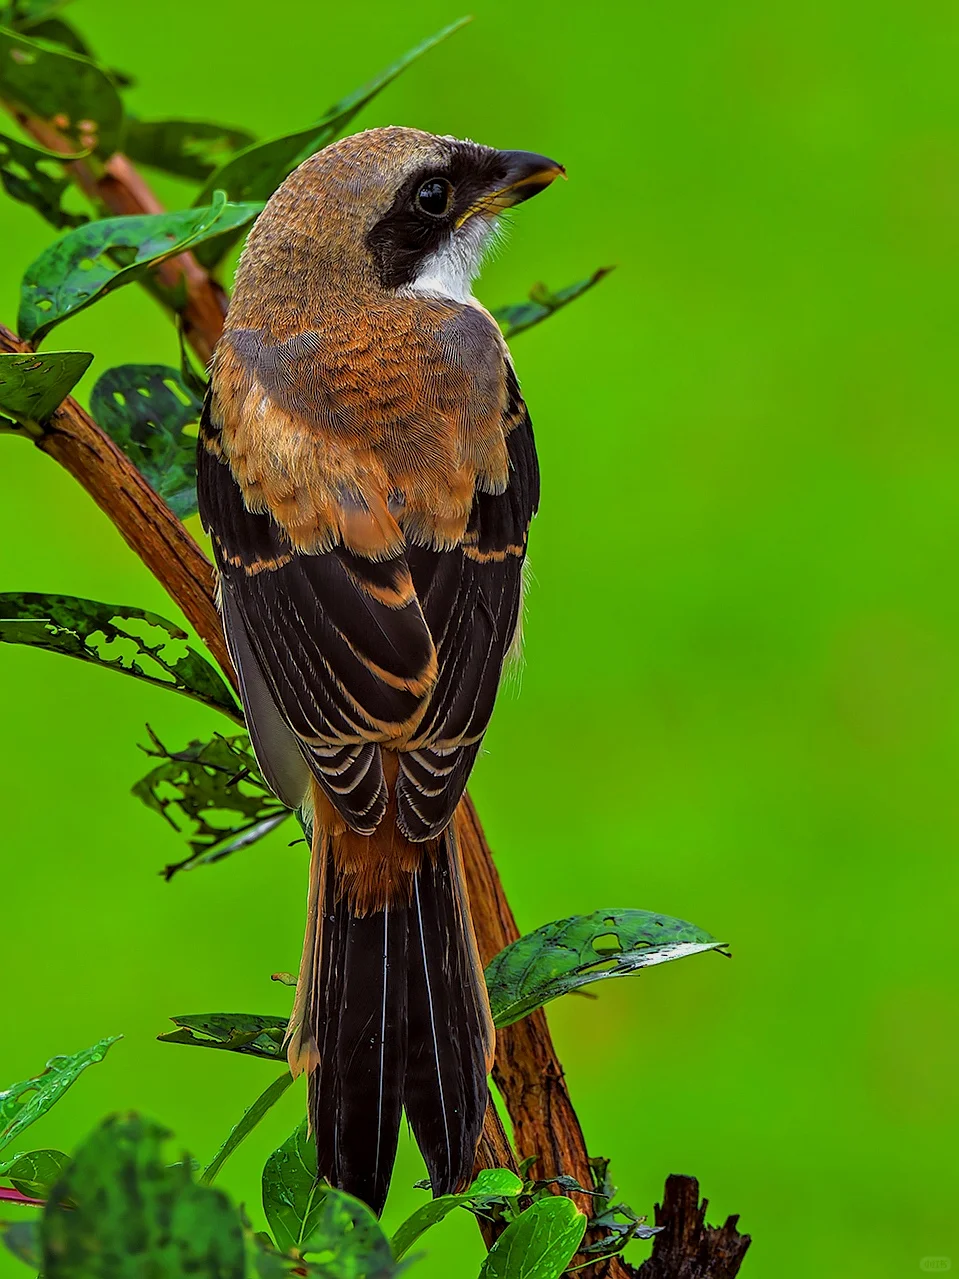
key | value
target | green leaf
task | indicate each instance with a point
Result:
(93, 260)
(34, 1173)
(255, 172)
(63, 89)
(539, 1244)
(133, 641)
(35, 177)
(133, 1214)
(490, 1187)
(542, 304)
(22, 1238)
(144, 408)
(23, 1103)
(32, 387)
(292, 1194)
(348, 1241)
(246, 1033)
(188, 148)
(570, 953)
(245, 1125)
(214, 792)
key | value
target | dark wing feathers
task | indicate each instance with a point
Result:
(336, 651)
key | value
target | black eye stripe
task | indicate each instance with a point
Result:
(434, 196)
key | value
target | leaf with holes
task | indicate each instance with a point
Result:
(245, 1033)
(35, 177)
(541, 304)
(292, 1194)
(132, 1213)
(214, 792)
(490, 1188)
(188, 148)
(144, 408)
(23, 1103)
(34, 1173)
(349, 1241)
(539, 1244)
(255, 172)
(32, 387)
(132, 641)
(570, 953)
(93, 260)
(65, 90)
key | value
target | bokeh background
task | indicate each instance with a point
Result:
(740, 702)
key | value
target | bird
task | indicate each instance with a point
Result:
(367, 474)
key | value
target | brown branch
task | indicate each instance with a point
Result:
(144, 520)
(687, 1248)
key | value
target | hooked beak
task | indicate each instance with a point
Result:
(526, 174)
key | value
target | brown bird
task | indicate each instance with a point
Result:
(367, 474)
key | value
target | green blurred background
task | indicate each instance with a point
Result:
(740, 701)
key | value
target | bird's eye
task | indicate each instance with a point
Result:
(433, 197)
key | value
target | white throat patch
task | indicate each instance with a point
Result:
(450, 271)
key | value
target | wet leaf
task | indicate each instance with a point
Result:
(570, 953)
(292, 1194)
(63, 89)
(93, 260)
(32, 387)
(255, 172)
(36, 177)
(539, 1244)
(23, 1103)
(490, 1188)
(541, 304)
(246, 1033)
(22, 1238)
(144, 408)
(134, 1214)
(188, 148)
(245, 1125)
(347, 1241)
(213, 792)
(133, 641)
(34, 1173)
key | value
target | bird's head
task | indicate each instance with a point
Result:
(392, 210)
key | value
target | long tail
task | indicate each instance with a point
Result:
(391, 1009)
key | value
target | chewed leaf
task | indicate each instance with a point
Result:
(539, 1244)
(132, 1213)
(214, 793)
(490, 1187)
(144, 408)
(66, 91)
(32, 387)
(255, 172)
(541, 304)
(188, 148)
(133, 641)
(23, 1103)
(94, 259)
(246, 1033)
(570, 953)
(35, 177)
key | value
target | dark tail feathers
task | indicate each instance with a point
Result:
(392, 1011)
